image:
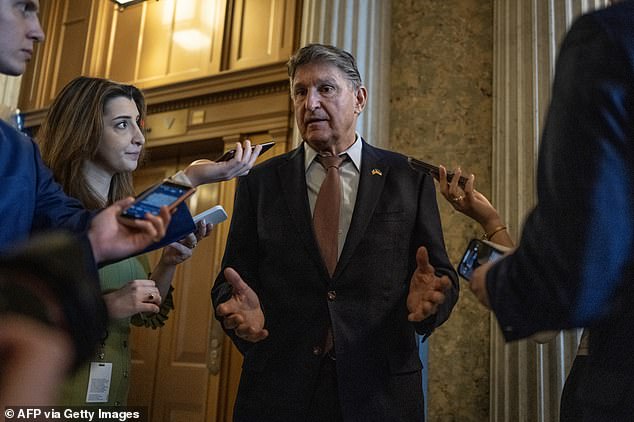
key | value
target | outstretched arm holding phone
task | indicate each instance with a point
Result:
(200, 172)
(473, 204)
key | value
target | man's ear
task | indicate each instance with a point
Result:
(361, 98)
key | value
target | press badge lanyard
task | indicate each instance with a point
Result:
(99, 379)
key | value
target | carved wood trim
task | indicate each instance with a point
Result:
(262, 81)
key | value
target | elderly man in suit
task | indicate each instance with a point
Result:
(574, 266)
(323, 293)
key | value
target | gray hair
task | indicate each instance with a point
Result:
(321, 53)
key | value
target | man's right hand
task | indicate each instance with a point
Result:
(242, 313)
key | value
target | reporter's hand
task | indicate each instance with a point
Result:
(468, 201)
(242, 313)
(201, 172)
(426, 290)
(135, 297)
(178, 252)
(110, 239)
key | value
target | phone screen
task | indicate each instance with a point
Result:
(164, 194)
(478, 252)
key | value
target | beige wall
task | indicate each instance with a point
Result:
(441, 111)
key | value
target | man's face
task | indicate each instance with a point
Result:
(19, 29)
(326, 106)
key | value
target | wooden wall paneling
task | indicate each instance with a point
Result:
(144, 342)
(72, 28)
(70, 47)
(155, 44)
(181, 391)
(246, 110)
(33, 79)
(125, 44)
(262, 31)
(100, 31)
(176, 40)
(197, 37)
(219, 8)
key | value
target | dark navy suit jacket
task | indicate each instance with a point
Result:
(574, 266)
(272, 245)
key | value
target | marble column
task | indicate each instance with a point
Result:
(361, 27)
(526, 378)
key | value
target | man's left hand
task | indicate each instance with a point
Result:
(426, 289)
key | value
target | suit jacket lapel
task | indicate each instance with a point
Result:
(292, 179)
(371, 185)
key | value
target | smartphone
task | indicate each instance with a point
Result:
(229, 154)
(168, 193)
(479, 252)
(434, 171)
(213, 215)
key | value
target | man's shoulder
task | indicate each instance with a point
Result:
(615, 20)
(12, 138)
(393, 158)
(621, 12)
(274, 162)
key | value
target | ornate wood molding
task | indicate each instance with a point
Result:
(227, 104)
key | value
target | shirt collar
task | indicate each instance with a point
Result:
(354, 152)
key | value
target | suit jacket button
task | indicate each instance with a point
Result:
(332, 295)
(317, 351)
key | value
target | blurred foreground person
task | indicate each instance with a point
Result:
(52, 317)
(574, 265)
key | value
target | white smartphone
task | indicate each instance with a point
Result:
(213, 215)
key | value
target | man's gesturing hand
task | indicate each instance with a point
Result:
(242, 313)
(426, 289)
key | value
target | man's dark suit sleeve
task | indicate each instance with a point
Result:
(240, 253)
(428, 233)
(579, 239)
